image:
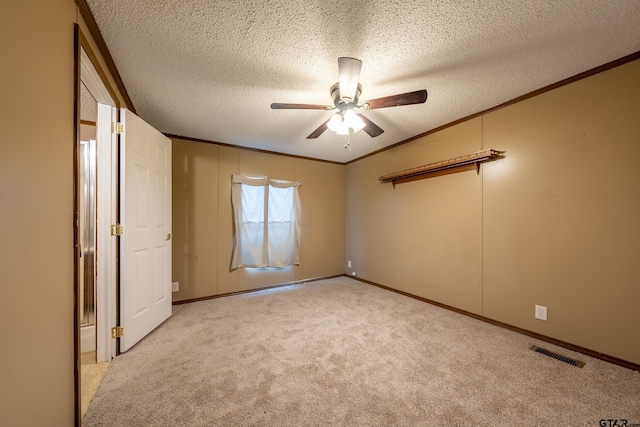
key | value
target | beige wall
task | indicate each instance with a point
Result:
(562, 213)
(421, 237)
(203, 225)
(36, 186)
(555, 223)
(87, 132)
(37, 190)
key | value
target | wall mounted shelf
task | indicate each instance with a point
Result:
(470, 161)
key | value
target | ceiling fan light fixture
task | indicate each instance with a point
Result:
(341, 122)
(351, 120)
(335, 123)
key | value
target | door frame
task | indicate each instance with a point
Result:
(89, 72)
(106, 192)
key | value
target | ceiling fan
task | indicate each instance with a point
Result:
(345, 94)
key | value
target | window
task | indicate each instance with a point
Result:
(267, 222)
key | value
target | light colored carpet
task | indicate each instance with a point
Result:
(340, 352)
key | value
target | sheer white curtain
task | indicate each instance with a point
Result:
(267, 222)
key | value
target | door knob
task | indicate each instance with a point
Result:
(169, 236)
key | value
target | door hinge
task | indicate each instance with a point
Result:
(117, 128)
(117, 332)
(117, 230)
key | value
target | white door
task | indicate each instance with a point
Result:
(106, 250)
(145, 214)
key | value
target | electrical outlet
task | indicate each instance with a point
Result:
(349, 264)
(541, 312)
(175, 286)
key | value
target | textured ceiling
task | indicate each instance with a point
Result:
(210, 69)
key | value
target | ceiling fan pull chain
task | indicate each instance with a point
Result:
(347, 140)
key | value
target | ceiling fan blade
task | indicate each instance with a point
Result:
(316, 133)
(349, 72)
(417, 97)
(280, 106)
(369, 127)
